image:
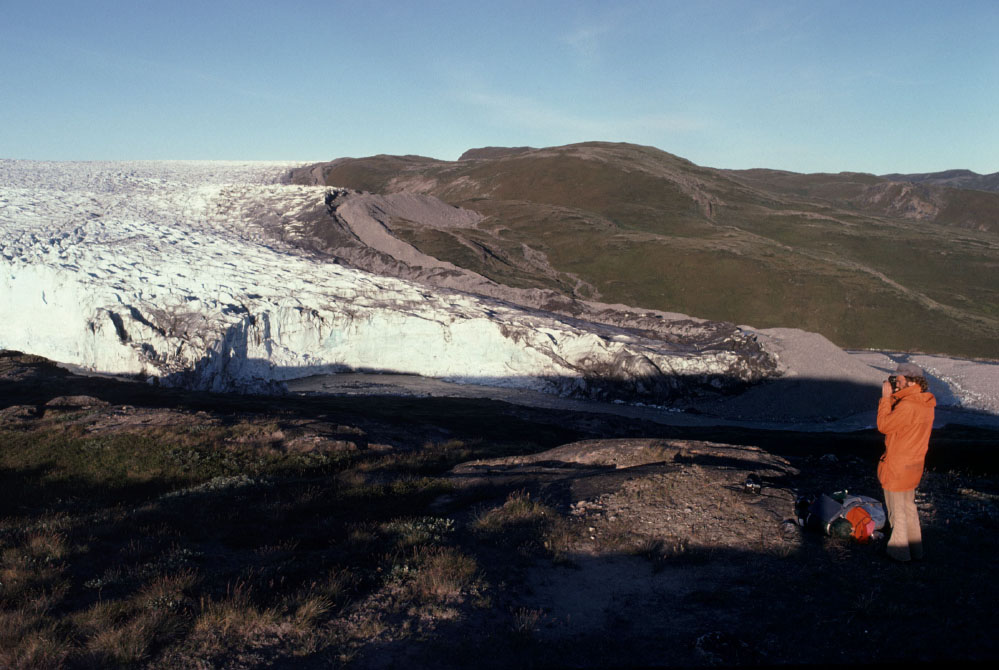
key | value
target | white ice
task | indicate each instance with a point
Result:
(159, 269)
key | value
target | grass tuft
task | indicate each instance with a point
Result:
(234, 619)
(442, 574)
(530, 525)
(526, 621)
(672, 550)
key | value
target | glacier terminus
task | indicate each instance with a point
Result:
(164, 269)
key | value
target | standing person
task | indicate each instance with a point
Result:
(905, 416)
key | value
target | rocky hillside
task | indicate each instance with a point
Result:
(909, 197)
(864, 260)
(952, 178)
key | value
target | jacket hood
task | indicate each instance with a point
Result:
(913, 394)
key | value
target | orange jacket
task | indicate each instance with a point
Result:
(905, 418)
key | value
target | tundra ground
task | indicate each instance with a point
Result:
(143, 527)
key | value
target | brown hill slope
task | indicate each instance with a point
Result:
(863, 260)
(913, 200)
(953, 178)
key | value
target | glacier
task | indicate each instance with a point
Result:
(172, 271)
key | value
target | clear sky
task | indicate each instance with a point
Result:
(804, 85)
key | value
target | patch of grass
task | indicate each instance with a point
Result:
(234, 618)
(614, 538)
(530, 526)
(431, 458)
(441, 574)
(309, 610)
(122, 644)
(672, 550)
(518, 509)
(31, 640)
(421, 530)
(525, 621)
(169, 593)
(32, 569)
(204, 539)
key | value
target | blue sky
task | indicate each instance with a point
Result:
(806, 85)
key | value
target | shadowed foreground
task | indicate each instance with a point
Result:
(149, 528)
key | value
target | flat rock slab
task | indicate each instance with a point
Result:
(626, 453)
(584, 477)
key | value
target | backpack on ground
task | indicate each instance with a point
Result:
(841, 515)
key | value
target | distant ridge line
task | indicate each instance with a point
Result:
(493, 152)
(957, 178)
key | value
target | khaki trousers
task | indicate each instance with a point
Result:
(906, 539)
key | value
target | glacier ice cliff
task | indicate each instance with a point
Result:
(167, 270)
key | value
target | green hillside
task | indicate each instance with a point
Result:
(868, 262)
